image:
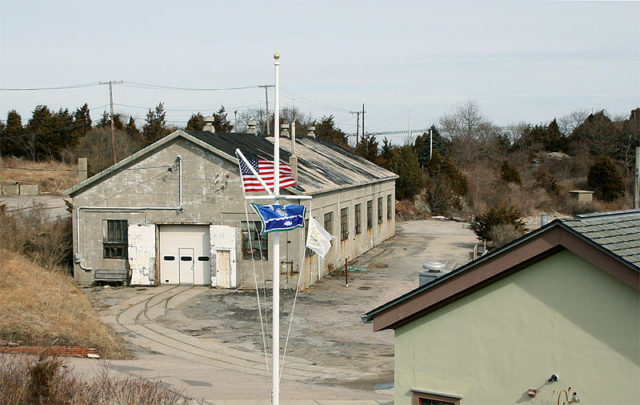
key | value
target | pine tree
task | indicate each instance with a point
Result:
(13, 139)
(81, 123)
(220, 122)
(368, 148)
(155, 127)
(131, 129)
(406, 166)
(196, 122)
(326, 129)
(605, 180)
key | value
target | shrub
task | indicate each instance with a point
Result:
(496, 216)
(502, 234)
(605, 180)
(510, 174)
(547, 181)
(26, 380)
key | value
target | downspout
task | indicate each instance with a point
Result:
(78, 254)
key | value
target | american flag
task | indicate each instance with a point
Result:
(265, 169)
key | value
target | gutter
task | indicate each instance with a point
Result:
(78, 254)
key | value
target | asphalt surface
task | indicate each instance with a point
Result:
(208, 343)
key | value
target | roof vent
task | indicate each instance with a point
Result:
(311, 132)
(252, 127)
(208, 124)
(284, 130)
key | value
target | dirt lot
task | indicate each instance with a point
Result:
(327, 330)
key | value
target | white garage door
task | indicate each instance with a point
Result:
(185, 254)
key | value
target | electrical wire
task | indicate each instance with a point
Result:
(163, 87)
(72, 86)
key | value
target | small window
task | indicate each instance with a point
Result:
(358, 218)
(379, 210)
(328, 222)
(344, 223)
(432, 398)
(169, 258)
(389, 206)
(369, 214)
(203, 258)
(255, 245)
(114, 239)
(185, 258)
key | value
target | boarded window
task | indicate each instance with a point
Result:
(369, 214)
(379, 210)
(328, 222)
(358, 218)
(114, 238)
(344, 223)
(389, 206)
(254, 244)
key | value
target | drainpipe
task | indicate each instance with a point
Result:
(78, 255)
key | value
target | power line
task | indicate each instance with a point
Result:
(163, 87)
(72, 86)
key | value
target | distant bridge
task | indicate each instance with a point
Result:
(395, 132)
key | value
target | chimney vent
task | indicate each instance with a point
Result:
(311, 132)
(284, 130)
(208, 124)
(252, 127)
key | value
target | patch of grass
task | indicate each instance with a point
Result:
(50, 176)
(44, 306)
(49, 380)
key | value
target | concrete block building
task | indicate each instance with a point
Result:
(174, 212)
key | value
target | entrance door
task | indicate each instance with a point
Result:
(186, 265)
(223, 265)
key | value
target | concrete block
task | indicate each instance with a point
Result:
(11, 189)
(28, 189)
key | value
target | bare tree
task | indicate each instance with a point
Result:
(571, 121)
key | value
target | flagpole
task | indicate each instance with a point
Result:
(275, 256)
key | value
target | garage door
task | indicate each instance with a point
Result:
(184, 255)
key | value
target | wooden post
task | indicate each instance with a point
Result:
(346, 272)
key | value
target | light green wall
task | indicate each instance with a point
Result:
(562, 315)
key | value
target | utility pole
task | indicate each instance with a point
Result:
(636, 183)
(362, 122)
(357, 113)
(266, 101)
(235, 119)
(113, 130)
(430, 143)
(410, 134)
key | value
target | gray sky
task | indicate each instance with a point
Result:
(520, 61)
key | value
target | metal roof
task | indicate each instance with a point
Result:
(322, 166)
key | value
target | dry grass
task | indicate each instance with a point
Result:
(51, 176)
(26, 380)
(44, 306)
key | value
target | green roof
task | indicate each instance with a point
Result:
(616, 231)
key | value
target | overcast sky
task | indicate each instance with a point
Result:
(520, 61)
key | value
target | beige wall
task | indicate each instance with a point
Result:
(561, 315)
(212, 194)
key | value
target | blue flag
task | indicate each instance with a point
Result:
(276, 217)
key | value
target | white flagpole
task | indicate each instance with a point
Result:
(275, 256)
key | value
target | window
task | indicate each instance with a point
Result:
(114, 239)
(379, 210)
(369, 214)
(434, 398)
(389, 206)
(358, 220)
(328, 222)
(344, 223)
(254, 244)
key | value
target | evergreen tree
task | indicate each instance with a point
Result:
(13, 139)
(386, 155)
(155, 127)
(368, 148)
(220, 122)
(423, 145)
(105, 121)
(605, 180)
(405, 164)
(196, 122)
(38, 130)
(82, 122)
(326, 129)
(131, 129)
(598, 135)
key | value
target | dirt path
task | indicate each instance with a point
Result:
(331, 353)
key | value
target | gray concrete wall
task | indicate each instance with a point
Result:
(212, 194)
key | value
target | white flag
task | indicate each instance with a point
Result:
(318, 239)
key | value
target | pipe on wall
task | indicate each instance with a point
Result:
(78, 254)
